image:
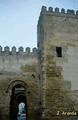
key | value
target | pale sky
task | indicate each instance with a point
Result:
(18, 20)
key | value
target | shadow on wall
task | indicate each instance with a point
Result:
(0, 115)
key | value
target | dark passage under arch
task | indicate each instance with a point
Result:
(17, 97)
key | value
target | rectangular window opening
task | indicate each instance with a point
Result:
(59, 51)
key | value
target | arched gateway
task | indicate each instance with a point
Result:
(18, 96)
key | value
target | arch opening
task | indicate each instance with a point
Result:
(18, 103)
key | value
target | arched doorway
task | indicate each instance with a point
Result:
(18, 98)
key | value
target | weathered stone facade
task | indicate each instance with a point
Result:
(19, 69)
(58, 48)
(44, 78)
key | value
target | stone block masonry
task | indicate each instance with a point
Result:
(58, 46)
(46, 79)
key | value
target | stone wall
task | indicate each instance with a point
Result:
(15, 60)
(17, 67)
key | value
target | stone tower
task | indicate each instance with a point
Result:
(57, 33)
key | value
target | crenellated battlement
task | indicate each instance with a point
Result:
(6, 51)
(50, 10)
